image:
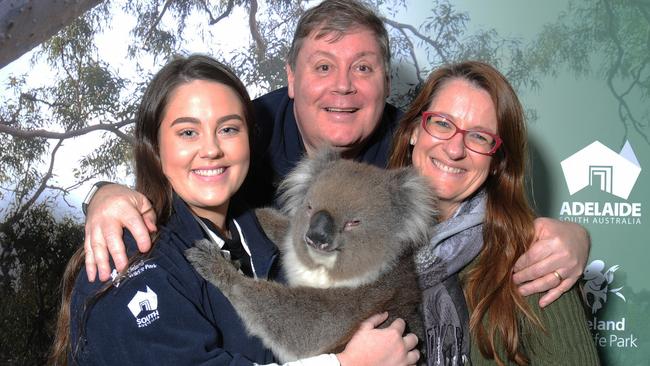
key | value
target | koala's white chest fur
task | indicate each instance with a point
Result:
(298, 274)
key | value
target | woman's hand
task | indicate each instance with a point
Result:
(555, 261)
(380, 346)
(112, 208)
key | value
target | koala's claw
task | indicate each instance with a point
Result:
(200, 257)
(208, 261)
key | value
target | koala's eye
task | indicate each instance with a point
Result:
(309, 208)
(349, 225)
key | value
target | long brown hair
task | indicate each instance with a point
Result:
(497, 309)
(150, 179)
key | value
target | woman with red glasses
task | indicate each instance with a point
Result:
(465, 132)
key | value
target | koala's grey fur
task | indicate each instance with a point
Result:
(346, 234)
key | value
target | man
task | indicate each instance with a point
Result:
(337, 73)
(338, 81)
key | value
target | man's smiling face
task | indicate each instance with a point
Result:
(339, 89)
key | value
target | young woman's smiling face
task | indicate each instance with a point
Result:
(204, 147)
(454, 171)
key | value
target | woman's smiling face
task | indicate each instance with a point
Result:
(454, 171)
(204, 147)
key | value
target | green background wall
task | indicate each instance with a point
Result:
(574, 108)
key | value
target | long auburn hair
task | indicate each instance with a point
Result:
(150, 179)
(498, 311)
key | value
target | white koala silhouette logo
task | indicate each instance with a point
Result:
(597, 284)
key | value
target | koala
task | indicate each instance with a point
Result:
(346, 233)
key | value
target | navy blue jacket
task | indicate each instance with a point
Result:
(277, 145)
(165, 313)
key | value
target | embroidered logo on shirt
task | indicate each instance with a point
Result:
(144, 307)
(134, 270)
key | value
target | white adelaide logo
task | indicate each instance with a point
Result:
(615, 173)
(144, 307)
(599, 165)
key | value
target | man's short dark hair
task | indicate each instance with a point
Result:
(336, 18)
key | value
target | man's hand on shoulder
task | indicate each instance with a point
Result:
(554, 262)
(112, 208)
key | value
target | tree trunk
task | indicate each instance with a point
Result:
(24, 24)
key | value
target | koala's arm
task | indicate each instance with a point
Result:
(273, 222)
(294, 322)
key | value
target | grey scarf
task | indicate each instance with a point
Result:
(456, 242)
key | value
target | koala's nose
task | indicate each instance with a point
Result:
(321, 231)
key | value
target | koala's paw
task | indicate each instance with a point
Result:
(209, 263)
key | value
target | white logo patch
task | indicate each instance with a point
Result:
(597, 284)
(144, 307)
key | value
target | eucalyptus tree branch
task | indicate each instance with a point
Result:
(618, 56)
(411, 48)
(402, 26)
(122, 135)
(636, 77)
(79, 183)
(33, 98)
(255, 31)
(624, 110)
(26, 23)
(14, 116)
(157, 21)
(25, 207)
(65, 191)
(65, 67)
(110, 127)
(225, 14)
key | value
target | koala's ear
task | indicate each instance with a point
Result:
(295, 185)
(274, 223)
(415, 203)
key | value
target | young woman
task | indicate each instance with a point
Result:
(193, 132)
(465, 132)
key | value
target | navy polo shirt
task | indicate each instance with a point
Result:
(165, 313)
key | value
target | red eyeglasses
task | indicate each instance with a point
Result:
(441, 127)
